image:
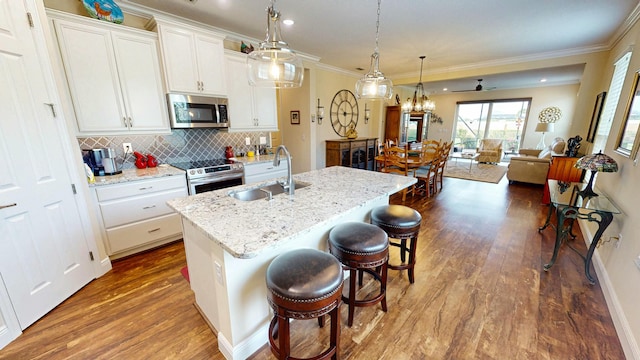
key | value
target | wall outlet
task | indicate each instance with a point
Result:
(637, 261)
(263, 140)
(247, 141)
(127, 148)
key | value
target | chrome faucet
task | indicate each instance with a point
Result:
(289, 185)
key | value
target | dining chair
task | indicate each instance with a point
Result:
(444, 157)
(428, 174)
(428, 151)
(397, 161)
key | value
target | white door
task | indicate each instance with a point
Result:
(44, 257)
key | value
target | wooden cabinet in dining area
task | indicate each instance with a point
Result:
(357, 153)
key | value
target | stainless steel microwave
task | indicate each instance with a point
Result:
(193, 111)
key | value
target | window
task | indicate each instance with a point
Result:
(627, 141)
(611, 103)
(491, 119)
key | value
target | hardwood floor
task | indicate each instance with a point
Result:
(480, 293)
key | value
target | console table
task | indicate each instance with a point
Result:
(357, 153)
(570, 205)
(562, 168)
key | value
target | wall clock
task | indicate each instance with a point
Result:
(344, 112)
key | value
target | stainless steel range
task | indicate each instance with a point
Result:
(209, 175)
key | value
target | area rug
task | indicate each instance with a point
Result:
(185, 272)
(479, 172)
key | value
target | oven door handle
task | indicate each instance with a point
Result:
(213, 179)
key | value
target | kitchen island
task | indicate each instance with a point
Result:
(229, 243)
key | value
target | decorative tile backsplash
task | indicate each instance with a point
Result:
(180, 145)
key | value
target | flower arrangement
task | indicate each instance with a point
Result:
(435, 118)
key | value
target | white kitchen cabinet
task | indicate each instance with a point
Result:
(114, 77)
(134, 215)
(193, 59)
(250, 108)
(261, 171)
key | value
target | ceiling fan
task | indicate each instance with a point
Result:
(479, 87)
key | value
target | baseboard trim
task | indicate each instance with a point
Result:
(627, 340)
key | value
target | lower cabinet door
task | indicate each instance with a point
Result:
(145, 232)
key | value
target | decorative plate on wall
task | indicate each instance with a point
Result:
(106, 10)
(550, 115)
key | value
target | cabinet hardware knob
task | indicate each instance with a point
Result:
(7, 206)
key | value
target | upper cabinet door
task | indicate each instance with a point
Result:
(211, 64)
(92, 77)
(241, 117)
(193, 60)
(114, 77)
(138, 63)
(250, 108)
(179, 54)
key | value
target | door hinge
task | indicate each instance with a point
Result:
(53, 109)
(91, 255)
(73, 188)
(30, 19)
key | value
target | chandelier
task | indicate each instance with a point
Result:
(274, 64)
(420, 101)
(374, 85)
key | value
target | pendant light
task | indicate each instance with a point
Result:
(374, 85)
(420, 101)
(273, 64)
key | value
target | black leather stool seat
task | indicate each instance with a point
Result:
(402, 223)
(304, 284)
(361, 247)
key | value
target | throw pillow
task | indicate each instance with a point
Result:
(545, 153)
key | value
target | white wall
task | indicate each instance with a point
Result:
(620, 274)
(564, 97)
(296, 137)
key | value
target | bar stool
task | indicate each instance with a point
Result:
(304, 284)
(361, 247)
(401, 223)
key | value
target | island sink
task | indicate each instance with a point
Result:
(264, 192)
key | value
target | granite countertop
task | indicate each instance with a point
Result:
(138, 174)
(246, 228)
(255, 159)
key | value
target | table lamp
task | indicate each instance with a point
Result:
(595, 162)
(543, 128)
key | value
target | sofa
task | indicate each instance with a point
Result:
(532, 165)
(490, 151)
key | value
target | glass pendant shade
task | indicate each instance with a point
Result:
(273, 64)
(374, 85)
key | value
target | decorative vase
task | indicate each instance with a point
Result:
(228, 152)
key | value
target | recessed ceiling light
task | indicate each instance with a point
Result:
(445, 89)
(288, 22)
(543, 80)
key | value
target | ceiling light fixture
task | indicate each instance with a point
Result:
(374, 85)
(273, 64)
(420, 101)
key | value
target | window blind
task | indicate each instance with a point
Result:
(611, 102)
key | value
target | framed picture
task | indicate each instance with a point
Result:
(595, 117)
(295, 117)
